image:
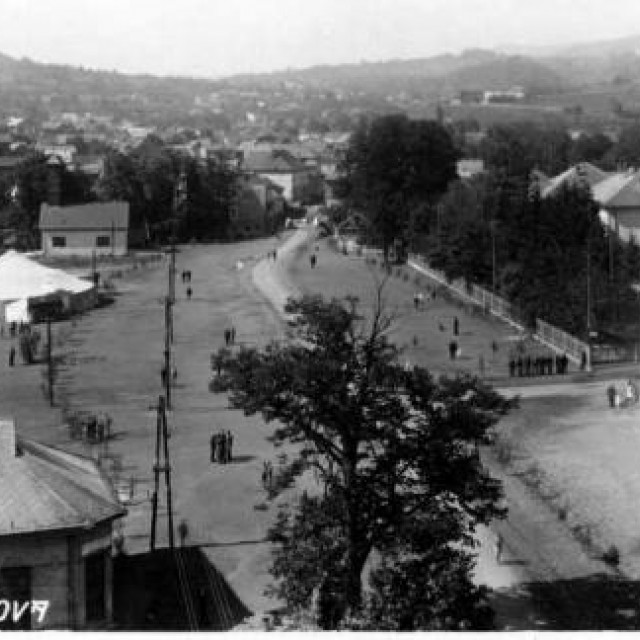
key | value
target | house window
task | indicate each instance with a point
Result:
(58, 241)
(15, 586)
(94, 575)
(103, 241)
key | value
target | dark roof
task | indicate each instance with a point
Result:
(93, 215)
(276, 161)
(47, 489)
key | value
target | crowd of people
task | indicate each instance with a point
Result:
(536, 364)
(222, 447)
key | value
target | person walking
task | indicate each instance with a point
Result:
(456, 326)
(12, 356)
(189, 293)
(233, 335)
(227, 336)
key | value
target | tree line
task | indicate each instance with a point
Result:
(552, 257)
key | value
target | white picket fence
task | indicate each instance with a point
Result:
(554, 338)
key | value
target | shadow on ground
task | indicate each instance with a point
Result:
(147, 595)
(598, 602)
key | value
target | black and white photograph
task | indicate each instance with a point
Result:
(320, 316)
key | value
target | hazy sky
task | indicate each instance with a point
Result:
(220, 37)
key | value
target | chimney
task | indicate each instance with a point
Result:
(8, 447)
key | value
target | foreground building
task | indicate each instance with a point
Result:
(56, 517)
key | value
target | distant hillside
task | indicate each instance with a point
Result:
(446, 74)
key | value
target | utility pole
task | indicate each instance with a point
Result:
(49, 360)
(588, 363)
(161, 465)
(168, 338)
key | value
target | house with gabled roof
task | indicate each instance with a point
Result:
(94, 228)
(299, 182)
(57, 512)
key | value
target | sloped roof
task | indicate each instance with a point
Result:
(46, 489)
(92, 215)
(276, 161)
(22, 278)
(584, 172)
(618, 191)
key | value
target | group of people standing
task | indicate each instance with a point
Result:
(186, 276)
(273, 255)
(539, 365)
(222, 447)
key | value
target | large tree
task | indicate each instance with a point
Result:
(397, 455)
(392, 165)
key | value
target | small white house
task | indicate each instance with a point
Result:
(100, 228)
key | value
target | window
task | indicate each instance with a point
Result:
(58, 241)
(15, 586)
(94, 575)
(103, 241)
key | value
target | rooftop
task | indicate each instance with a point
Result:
(47, 489)
(93, 215)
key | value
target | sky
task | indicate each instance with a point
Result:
(216, 38)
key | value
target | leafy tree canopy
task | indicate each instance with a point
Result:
(396, 455)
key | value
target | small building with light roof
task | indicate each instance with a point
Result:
(57, 512)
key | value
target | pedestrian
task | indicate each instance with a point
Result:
(583, 361)
(416, 301)
(611, 395)
(222, 449)
(183, 276)
(512, 367)
(213, 443)
(270, 476)
(494, 347)
(499, 548)
(229, 446)
(227, 336)
(312, 260)
(233, 335)
(12, 356)
(452, 350)
(189, 293)
(519, 366)
(174, 374)
(183, 531)
(456, 326)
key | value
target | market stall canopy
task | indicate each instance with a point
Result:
(23, 278)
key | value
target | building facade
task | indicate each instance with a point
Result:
(56, 518)
(97, 228)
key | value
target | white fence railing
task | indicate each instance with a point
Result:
(556, 339)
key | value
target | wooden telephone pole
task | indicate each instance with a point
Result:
(161, 465)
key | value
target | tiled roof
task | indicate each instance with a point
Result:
(46, 489)
(93, 215)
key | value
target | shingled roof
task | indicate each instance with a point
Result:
(276, 161)
(47, 489)
(93, 215)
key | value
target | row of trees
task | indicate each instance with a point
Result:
(160, 184)
(519, 148)
(552, 257)
(166, 192)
